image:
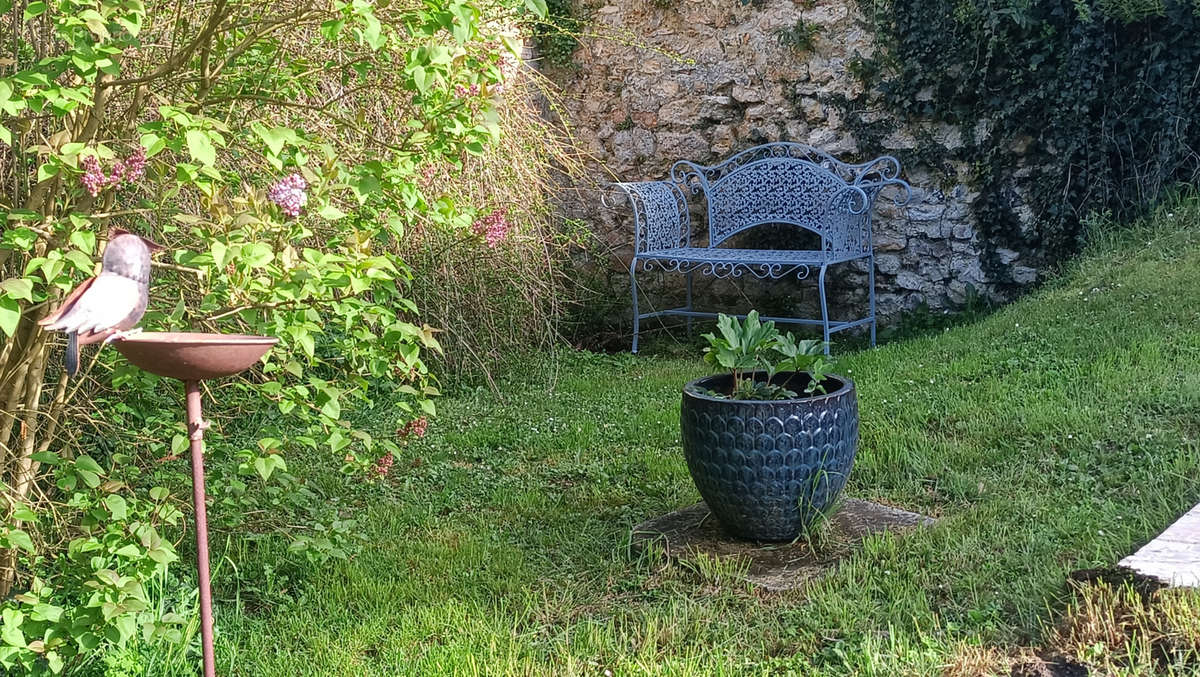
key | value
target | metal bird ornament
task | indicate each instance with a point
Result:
(107, 306)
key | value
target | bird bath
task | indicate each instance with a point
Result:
(192, 358)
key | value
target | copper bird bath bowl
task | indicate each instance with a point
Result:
(192, 358)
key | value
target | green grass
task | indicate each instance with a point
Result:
(1057, 434)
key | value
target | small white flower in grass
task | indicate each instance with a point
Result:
(1070, 436)
(1100, 532)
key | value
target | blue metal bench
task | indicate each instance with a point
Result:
(786, 183)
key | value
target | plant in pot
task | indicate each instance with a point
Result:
(771, 441)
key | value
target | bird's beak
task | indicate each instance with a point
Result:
(152, 245)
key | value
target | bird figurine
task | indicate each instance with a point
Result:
(109, 305)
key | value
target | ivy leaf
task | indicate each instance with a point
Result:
(200, 147)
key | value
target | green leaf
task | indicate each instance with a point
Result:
(275, 137)
(158, 493)
(54, 661)
(264, 465)
(47, 457)
(85, 240)
(34, 9)
(20, 539)
(421, 79)
(538, 7)
(201, 148)
(117, 506)
(330, 29)
(24, 514)
(332, 408)
(82, 262)
(87, 463)
(18, 288)
(10, 315)
(89, 478)
(257, 254)
(220, 253)
(331, 212)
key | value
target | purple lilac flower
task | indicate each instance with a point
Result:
(494, 227)
(465, 92)
(128, 170)
(93, 178)
(289, 194)
(135, 165)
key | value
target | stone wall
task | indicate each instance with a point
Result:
(701, 79)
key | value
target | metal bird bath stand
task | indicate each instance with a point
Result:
(192, 358)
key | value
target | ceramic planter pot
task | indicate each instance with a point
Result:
(768, 468)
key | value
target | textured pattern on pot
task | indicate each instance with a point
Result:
(768, 469)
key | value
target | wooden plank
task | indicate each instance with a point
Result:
(1173, 557)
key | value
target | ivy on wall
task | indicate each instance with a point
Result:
(557, 36)
(1066, 106)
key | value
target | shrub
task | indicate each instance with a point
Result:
(278, 150)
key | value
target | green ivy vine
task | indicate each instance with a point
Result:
(1066, 107)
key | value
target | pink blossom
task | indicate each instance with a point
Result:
(464, 92)
(383, 465)
(93, 178)
(494, 227)
(414, 428)
(135, 165)
(126, 171)
(289, 194)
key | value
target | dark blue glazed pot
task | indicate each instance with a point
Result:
(768, 468)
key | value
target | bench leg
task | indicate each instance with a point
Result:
(689, 302)
(871, 294)
(633, 289)
(824, 306)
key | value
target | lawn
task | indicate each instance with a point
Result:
(1059, 433)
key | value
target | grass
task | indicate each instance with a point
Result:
(1059, 433)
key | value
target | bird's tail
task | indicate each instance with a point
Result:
(72, 353)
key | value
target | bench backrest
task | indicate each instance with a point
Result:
(775, 190)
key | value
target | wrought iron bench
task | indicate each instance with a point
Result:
(776, 183)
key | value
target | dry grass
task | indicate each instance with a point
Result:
(1121, 630)
(498, 304)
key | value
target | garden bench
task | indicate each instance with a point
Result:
(776, 183)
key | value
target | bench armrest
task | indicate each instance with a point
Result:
(848, 215)
(660, 214)
(692, 177)
(873, 188)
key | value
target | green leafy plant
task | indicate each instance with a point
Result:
(799, 37)
(751, 346)
(286, 156)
